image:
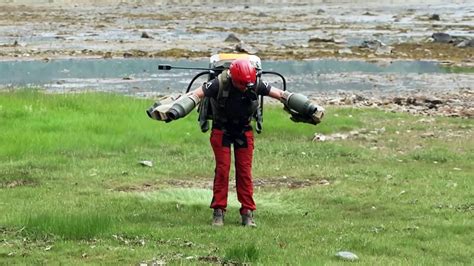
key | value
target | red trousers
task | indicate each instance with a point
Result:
(243, 154)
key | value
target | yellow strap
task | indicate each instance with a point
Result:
(233, 56)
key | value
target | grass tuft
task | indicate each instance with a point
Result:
(69, 226)
(242, 253)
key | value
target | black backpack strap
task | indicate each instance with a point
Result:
(259, 113)
(204, 111)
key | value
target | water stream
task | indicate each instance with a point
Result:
(141, 76)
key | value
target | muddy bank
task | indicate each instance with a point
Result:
(300, 31)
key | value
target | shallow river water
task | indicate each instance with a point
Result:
(142, 77)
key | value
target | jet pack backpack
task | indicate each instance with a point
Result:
(213, 109)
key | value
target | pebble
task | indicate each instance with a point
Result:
(146, 163)
(346, 255)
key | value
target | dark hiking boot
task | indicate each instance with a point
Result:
(247, 219)
(218, 217)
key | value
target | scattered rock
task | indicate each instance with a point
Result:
(344, 51)
(146, 35)
(319, 137)
(433, 100)
(320, 11)
(325, 39)
(372, 44)
(146, 163)
(245, 48)
(383, 50)
(440, 37)
(346, 255)
(466, 43)
(323, 182)
(434, 17)
(107, 55)
(317, 39)
(262, 15)
(127, 55)
(232, 38)
(427, 135)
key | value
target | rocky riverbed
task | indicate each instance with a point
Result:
(441, 31)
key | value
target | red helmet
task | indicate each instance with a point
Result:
(243, 74)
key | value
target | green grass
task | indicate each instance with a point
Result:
(72, 190)
(75, 225)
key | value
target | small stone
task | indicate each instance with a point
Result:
(383, 50)
(127, 55)
(466, 43)
(345, 51)
(318, 39)
(441, 37)
(346, 255)
(232, 38)
(146, 163)
(427, 135)
(319, 137)
(323, 182)
(245, 48)
(434, 17)
(372, 44)
(146, 35)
